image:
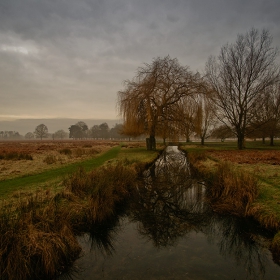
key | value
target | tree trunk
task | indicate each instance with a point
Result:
(202, 141)
(271, 140)
(240, 142)
(151, 143)
(263, 140)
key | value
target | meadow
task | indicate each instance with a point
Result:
(52, 191)
(45, 204)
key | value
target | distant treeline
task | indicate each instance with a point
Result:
(80, 130)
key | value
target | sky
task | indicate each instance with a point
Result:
(69, 58)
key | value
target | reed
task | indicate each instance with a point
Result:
(232, 190)
(38, 229)
(13, 155)
(112, 185)
(36, 242)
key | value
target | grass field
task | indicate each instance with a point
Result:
(62, 189)
(64, 157)
(52, 190)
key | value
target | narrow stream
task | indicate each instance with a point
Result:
(168, 231)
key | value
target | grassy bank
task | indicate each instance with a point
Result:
(54, 175)
(38, 228)
(244, 183)
(52, 178)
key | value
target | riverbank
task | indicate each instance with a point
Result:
(38, 226)
(244, 183)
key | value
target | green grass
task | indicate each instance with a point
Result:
(232, 145)
(53, 175)
(138, 154)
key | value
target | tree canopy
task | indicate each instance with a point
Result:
(239, 77)
(41, 131)
(150, 99)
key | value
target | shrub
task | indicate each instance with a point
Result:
(79, 152)
(15, 156)
(66, 151)
(36, 243)
(50, 159)
(232, 190)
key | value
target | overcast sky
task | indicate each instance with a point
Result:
(68, 58)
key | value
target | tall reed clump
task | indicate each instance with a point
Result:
(36, 242)
(102, 189)
(231, 190)
(196, 159)
(113, 184)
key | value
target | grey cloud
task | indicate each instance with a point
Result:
(74, 54)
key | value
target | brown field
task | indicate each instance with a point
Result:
(250, 157)
(46, 154)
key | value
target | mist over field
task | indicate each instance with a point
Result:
(28, 125)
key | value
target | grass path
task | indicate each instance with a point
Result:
(11, 185)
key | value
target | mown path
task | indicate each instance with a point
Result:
(11, 185)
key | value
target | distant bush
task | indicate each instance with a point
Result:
(15, 156)
(50, 159)
(79, 152)
(66, 151)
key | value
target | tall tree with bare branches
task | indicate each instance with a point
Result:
(148, 99)
(41, 131)
(239, 76)
(204, 120)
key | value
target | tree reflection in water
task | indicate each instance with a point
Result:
(169, 204)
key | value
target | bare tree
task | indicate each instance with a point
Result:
(186, 111)
(78, 130)
(41, 131)
(60, 134)
(146, 99)
(239, 76)
(104, 130)
(95, 131)
(205, 119)
(222, 132)
(29, 135)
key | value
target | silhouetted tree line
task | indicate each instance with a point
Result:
(10, 135)
(80, 130)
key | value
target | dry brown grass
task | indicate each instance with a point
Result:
(47, 154)
(271, 157)
(38, 229)
(35, 242)
(231, 190)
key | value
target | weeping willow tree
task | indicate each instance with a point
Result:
(151, 96)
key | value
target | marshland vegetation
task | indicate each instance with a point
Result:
(244, 183)
(41, 216)
(38, 225)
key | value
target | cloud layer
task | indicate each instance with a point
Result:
(68, 58)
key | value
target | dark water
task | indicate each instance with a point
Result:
(168, 231)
